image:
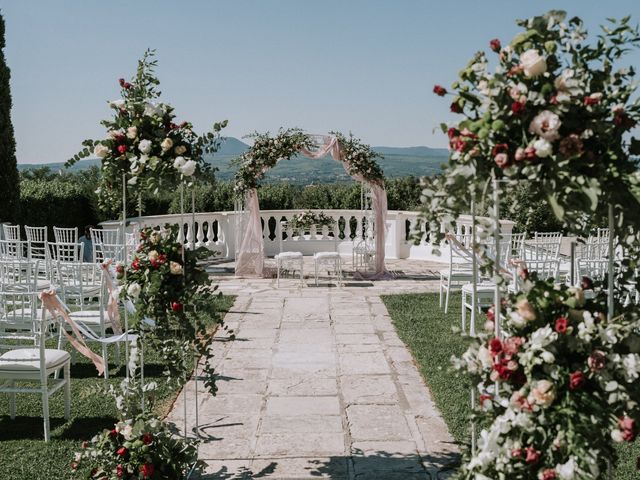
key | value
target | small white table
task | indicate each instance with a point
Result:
(290, 261)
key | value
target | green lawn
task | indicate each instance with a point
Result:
(427, 331)
(23, 453)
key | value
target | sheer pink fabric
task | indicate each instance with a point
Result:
(112, 304)
(52, 303)
(251, 253)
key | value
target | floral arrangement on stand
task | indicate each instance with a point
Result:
(305, 220)
(265, 153)
(556, 112)
(144, 142)
(558, 392)
(144, 448)
(167, 286)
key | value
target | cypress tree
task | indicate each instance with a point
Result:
(9, 179)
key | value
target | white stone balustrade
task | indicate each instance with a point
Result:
(216, 231)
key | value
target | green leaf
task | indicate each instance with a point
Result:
(555, 206)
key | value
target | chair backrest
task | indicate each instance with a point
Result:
(543, 246)
(19, 275)
(66, 252)
(37, 243)
(12, 249)
(36, 234)
(19, 319)
(107, 244)
(74, 278)
(11, 232)
(595, 269)
(545, 269)
(517, 243)
(65, 235)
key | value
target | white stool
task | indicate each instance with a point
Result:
(290, 261)
(330, 260)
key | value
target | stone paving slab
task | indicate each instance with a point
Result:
(318, 385)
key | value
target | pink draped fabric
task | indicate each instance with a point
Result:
(252, 249)
(250, 259)
(52, 303)
(112, 304)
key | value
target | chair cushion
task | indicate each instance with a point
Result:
(327, 255)
(28, 359)
(289, 255)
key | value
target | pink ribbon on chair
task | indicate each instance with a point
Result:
(54, 306)
(112, 304)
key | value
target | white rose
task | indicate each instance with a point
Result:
(616, 436)
(113, 133)
(145, 146)
(178, 163)
(180, 149)
(189, 168)
(546, 125)
(566, 471)
(101, 151)
(132, 132)
(543, 393)
(134, 290)
(485, 357)
(151, 110)
(153, 255)
(117, 103)
(143, 159)
(543, 148)
(127, 432)
(166, 144)
(533, 63)
(175, 268)
(548, 357)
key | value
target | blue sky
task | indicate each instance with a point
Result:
(366, 66)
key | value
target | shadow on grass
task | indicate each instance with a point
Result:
(31, 428)
(379, 465)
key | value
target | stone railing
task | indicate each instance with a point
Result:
(217, 232)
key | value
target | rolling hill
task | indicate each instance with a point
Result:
(396, 162)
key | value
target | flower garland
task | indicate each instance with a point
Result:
(556, 112)
(168, 287)
(137, 448)
(267, 151)
(567, 386)
(144, 143)
(305, 220)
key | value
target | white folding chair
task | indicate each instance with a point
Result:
(66, 252)
(11, 232)
(37, 363)
(65, 234)
(459, 271)
(12, 249)
(543, 246)
(19, 275)
(79, 282)
(107, 243)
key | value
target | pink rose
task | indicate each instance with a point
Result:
(501, 159)
(546, 124)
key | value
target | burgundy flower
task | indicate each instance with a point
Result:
(549, 474)
(121, 452)
(455, 107)
(562, 323)
(495, 346)
(135, 264)
(122, 149)
(495, 45)
(591, 100)
(439, 90)
(530, 153)
(586, 283)
(74, 465)
(571, 146)
(176, 306)
(121, 82)
(119, 471)
(162, 259)
(502, 160)
(113, 433)
(576, 380)
(491, 314)
(147, 438)
(452, 132)
(147, 470)
(85, 444)
(597, 360)
(517, 107)
(623, 121)
(532, 455)
(499, 148)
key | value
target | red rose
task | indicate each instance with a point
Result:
(439, 90)
(628, 427)
(589, 100)
(624, 121)
(460, 145)
(532, 455)
(576, 380)
(549, 474)
(147, 470)
(119, 137)
(135, 264)
(491, 314)
(499, 148)
(121, 452)
(162, 258)
(121, 82)
(126, 85)
(120, 269)
(495, 346)
(119, 471)
(113, 433)
(122, 149)
(530, 153)
(561, 324)
(147, 438)
(495, 45)
(154, 263)
(517, 108)
(93, 472)
(172, 126)
(455, 107)
(452, 132)
(85, 444)
(586, 283)
(176, 306)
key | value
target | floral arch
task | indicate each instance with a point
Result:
(357, 158)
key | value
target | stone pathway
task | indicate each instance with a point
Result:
(317, 384)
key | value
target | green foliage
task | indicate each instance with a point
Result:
(9, 184)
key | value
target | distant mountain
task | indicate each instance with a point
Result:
(396, 162)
